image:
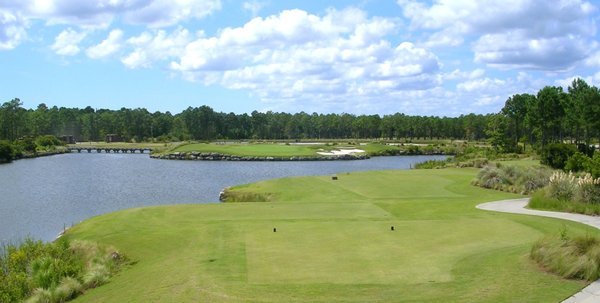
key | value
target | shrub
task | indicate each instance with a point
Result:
(430, 164)
(577, 162)
(48, 141)
(491, 177)
(68, 289)
(51, 272)
(6, 151)
(556, 155)
(513, 178)
(572, 258)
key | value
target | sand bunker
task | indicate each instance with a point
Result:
(341, 152)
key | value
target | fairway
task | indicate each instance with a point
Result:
(333, 243)
(255, 150)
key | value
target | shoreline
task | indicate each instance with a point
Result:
(212, 156)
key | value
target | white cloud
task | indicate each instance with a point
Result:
(482, 84)
(101, 13)
(158, 13)
(107, 47)
(530, 34)
(593, 79)
(156, 46)
(253, 6)
(67, 42)
(515, 50)
(12, 29)
(296, 57)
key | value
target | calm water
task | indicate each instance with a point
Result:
(38, 197)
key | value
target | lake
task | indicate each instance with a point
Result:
(39, 197)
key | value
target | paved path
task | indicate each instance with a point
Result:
(590, 294)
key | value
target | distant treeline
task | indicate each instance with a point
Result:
(551, 115)
(203, 123)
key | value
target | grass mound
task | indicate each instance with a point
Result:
(575, 257)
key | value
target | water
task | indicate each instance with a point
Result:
(39, 197)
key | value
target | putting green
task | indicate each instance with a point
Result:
(333, 243)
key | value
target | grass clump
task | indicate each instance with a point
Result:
(431, 164)
(54, 272)
(569, 193)
(570, 257)
(515, 179)
(228, 195)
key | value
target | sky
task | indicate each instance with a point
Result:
(440, 57)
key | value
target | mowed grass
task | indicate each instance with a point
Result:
(277, 149)
(333, 243)
(253, 150)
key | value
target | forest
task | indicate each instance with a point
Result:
(552, 115)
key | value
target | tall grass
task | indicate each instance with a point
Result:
(569, 193)
(241, 196)
(572, 258)
(54, 272)
(515, 179)
(432, 164)
(541, 200)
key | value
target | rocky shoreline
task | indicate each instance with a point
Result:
(223, 157)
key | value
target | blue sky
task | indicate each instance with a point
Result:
(441, 57)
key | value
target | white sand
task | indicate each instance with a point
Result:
(341, 152)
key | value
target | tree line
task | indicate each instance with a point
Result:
(203, 123)
(551, 116)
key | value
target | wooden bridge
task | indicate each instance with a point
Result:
(110, 150)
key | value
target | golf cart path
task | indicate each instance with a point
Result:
(589, 294)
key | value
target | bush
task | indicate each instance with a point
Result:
(577, 162)
(6, 151)
(556, 155)
(27, 144)
(513, 178)
(430, 164)
(571, 258)
(51, 272)
(48, 141)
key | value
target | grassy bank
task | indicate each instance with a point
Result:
(272, 149)
(333, 242)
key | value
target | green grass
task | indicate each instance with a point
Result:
(125, 145)
(265, 149)
(333, 244)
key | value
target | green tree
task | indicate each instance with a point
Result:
(515, 109)
(6, 151)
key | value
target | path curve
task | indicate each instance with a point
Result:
(589, 294)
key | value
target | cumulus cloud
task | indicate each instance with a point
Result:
(67, 42)
(12, 29)
(531, 34)
(298, 57)
(155, 46)
(107, 47)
